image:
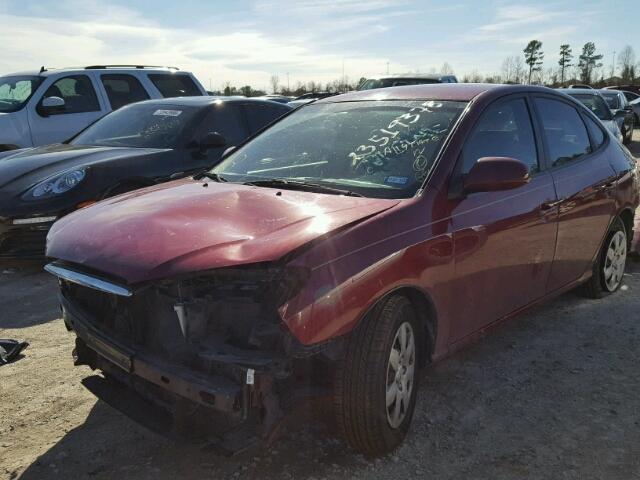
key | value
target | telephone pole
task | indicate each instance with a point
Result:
(387, 68)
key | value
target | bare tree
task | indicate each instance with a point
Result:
(446, 69)
(275, 82)
(627, 62)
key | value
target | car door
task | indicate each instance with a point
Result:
(122, 89)
(503, 241)
(82, 107)
(585, 185)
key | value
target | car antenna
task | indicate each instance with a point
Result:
(42, 69)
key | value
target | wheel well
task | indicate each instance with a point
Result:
(627, 219)
(427, 316)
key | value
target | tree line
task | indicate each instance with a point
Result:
(585, 68)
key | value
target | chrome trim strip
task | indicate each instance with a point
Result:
(88, 280)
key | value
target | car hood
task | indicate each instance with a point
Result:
(32, 165)
(188, 226)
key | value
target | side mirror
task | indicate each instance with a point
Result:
(491, 174)
(211, 140)
(51, 106)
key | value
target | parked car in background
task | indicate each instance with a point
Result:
(327, 256)
(634, 101)
(595, 102)
(50, 106)
(139, 145)
(622, 112)
(581, 86)
(276, 98)
(626, 88)
(310, 97)
(384, 81)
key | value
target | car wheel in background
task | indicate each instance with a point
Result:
(608, 269)
(376, 383)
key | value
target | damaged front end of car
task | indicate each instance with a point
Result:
(210, 346)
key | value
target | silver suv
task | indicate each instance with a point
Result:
(50, 106)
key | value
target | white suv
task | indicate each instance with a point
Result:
(50, 106)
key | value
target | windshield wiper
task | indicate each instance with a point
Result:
(216, 177)
(298, 185)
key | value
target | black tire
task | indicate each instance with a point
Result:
(598, 285)
(365, 376)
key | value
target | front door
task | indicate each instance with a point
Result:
(503, 241)
(82, 108)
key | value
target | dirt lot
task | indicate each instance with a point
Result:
(553, 394)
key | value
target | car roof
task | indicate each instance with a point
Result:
(111, 69)
(579, 91)
(425, 76)
(434, 91)
(204, 100)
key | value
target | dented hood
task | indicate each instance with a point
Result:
(185, 226)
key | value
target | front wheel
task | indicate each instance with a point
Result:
(608, 269)
(376, 384)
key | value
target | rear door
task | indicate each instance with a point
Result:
(585, 185)
(503, 241)
(82, 107)
(122, 89)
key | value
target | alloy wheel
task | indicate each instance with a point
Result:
(400, 374)
(615, 261)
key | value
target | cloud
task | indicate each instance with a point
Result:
(94, 35)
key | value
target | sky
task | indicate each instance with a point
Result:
(246, 42)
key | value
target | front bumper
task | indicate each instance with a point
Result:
(217, 392)
(23, 241)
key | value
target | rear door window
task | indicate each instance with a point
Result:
(174, 85)
(504, 130)
(260, 115)
(123, 90)
(77, 92)
(564, 131)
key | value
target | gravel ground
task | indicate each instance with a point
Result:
(552, 394)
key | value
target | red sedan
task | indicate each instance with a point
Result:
(355, 240)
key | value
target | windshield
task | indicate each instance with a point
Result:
(612, 100)
(142, 125)
(15, 91)
(596, 104)
(379, 149)
(394, 82)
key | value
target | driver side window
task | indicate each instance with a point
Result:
(504, 130)
(226, 119)
(77, 92)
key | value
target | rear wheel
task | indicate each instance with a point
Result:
(377, 380)
(608, 269)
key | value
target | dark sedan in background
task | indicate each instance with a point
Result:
(136, 146)
(622, 112)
